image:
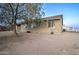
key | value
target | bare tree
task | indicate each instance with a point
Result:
(10, 12)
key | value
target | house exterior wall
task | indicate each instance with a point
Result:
(56, 22)
(18, 27)
(44, 24)
(58, 26)
(21, 28)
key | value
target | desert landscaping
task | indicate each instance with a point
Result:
(28, 29)
(39, 43)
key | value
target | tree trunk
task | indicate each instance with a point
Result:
(15, 28)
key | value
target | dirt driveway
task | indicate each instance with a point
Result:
(44, 44)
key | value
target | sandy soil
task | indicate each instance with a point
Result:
(40, 43)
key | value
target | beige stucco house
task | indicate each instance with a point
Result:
(52, 24)
(49, 24)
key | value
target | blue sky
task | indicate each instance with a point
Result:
(70, 12)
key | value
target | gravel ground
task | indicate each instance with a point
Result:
(66, 43)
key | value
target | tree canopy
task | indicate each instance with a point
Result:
(10, 12)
